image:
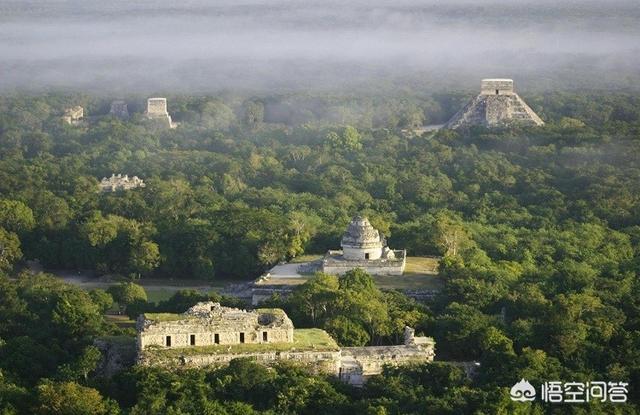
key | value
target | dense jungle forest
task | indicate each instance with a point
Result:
(539, 230)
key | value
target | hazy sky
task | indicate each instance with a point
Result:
(163, 45)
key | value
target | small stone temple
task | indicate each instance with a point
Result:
(120, 182)
(209, 323)
(364, 247)
(119, 109)
(74, 115)
(497, 106)
(157, 112)
(209, 334)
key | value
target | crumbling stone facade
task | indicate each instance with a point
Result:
(497, 105)
(211, 324)
(359, 363)
(120, 182)
(319, 362)
(74, 115)
(157, 113)
(211, 335)
(364, 247)
(119, 109)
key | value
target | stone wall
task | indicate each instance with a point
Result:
(209, 323)
(157, 107)
(157, 114)
(327, 362)
(219, 328)
(351, 364)
(392, 270)
(359, 363)
(119, 109)
(183, 335)
(502, 86)
(334, 263)
(360, 253)
(363, 362)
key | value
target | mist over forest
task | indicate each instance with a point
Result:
(201, 46)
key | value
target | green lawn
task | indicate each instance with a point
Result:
(421, 273)
(312, 339)
(155, 295)
(421, 265)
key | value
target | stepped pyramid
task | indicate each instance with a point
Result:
(496, 106)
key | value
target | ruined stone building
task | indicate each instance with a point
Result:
(364, 247)
(119, 109)
(74, 115)
(209, 334)
(208, 323)
(120, 182)
(497, 105)
(157, 113)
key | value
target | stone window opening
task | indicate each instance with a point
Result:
(265, 336)
(192, 339)
(167, 341)
(241, 337)
(497, 92)
(366, 256)
(216, 338)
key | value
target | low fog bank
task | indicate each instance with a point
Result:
(158, 46)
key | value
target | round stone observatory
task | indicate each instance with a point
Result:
(361, 240)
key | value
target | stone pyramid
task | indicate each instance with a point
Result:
(496, 106)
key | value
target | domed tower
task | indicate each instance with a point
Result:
(362, 241)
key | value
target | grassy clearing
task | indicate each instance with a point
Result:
(303, 340)
(155, 295)
(313, 338)
(421, 273)
(422, 265)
